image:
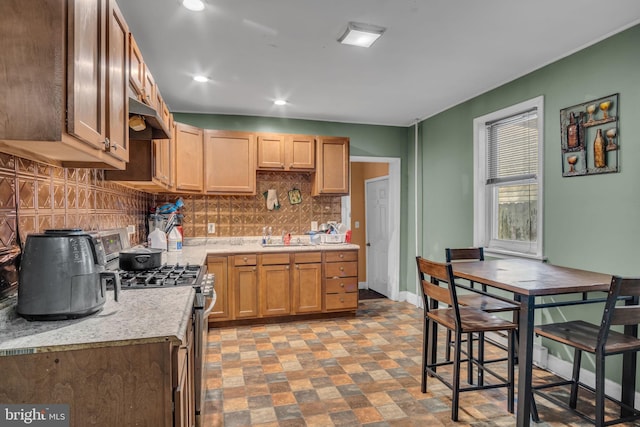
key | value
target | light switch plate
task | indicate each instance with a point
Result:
(131, 229)
(211, 228)
(357, 224)
(314, 225)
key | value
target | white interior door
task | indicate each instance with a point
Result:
(377, 217)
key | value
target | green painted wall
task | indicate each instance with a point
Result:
(365, 140)
(590, 222)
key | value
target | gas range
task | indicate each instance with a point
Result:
(166, 276)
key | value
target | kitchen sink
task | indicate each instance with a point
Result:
(282, 245)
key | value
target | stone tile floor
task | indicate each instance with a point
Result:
(353, 371)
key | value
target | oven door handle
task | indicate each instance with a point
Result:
(211, 295)
(210, 308)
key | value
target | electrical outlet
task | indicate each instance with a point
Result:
(211, 228)
(131, 229)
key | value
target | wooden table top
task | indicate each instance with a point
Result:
(534, 278)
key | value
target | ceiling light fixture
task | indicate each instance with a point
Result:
(195, 5)
(280, 102)
(201, 79)
(363, 35)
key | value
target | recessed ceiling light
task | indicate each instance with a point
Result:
(280, 102)
(363, 35)
(195, 5)
(201, 79)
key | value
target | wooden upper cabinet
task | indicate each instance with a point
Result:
(271, 152)
(117, 85)
(286, 152)
(150, 96)
(188, 162)
(301, 154)
(136, 67)
(332, 171)
(230, 162)
(57, 99)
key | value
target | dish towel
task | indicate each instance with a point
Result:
(272, 200)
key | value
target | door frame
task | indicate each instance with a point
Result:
(366, 216)
(394, 217)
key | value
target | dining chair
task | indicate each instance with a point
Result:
(601, 341)
(478, 298)
(461, 321)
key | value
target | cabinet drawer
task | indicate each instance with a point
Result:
(245, 259)
(307, 257)
(275, 259)
(341, 269)
(348, 284)
(341, 301)
(335, 256)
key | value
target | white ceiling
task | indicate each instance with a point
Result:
(434, 54)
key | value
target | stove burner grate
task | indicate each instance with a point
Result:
(161, 277)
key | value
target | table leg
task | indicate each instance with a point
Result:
(525, 361)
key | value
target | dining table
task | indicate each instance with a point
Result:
(529, 280)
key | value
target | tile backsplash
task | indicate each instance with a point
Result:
(247, 215)
(52, 197)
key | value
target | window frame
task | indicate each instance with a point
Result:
(484, 194)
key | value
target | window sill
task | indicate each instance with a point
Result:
(503, 253)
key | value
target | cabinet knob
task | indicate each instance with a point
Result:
(342, 285)
(253, 269)
(281, 165)
(341, 255)
(341, 299)
(341, 268)
(245, 259)
(297, 267)
(291, 166)
(287, 267)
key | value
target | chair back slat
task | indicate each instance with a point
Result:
(629, 287)
(615, 313)
(467, 254)
(623, 315)
(437, 272)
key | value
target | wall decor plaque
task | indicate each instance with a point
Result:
(589, 137)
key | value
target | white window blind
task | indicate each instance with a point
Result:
(513, 148)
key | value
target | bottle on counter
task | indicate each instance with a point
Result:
(157, 240)
(174, 243)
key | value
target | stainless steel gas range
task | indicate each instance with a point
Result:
(170, 275)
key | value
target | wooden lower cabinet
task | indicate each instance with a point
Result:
(217, 265)
(341, 280)
(148, 384)
(254, 286)
(275, 285)
(307, 282)
(244, 282)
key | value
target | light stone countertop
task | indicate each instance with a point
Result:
(195, 251)
(140, 316)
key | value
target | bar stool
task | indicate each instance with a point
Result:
(479, 299)
(601, 341)
(460, 320)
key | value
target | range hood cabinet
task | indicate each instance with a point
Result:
(155, 128)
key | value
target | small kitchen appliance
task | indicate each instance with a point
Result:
(62, 276)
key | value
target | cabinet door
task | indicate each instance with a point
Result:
(245, 287)
(275, 285)
(149, 90)
(230, 162)
(117, 85)
(86, 63)
(271, 151)
(136, 67)
(188, 161)
(332, 168)
(300, 153)
(218, 267)
(307, 288)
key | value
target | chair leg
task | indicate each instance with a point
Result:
(534, 409)
(575, 378)
(511, 371)
(599, 390)
(481, 358)
(425, 353)
(447, 351)
(470, 358)
(455, 399)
